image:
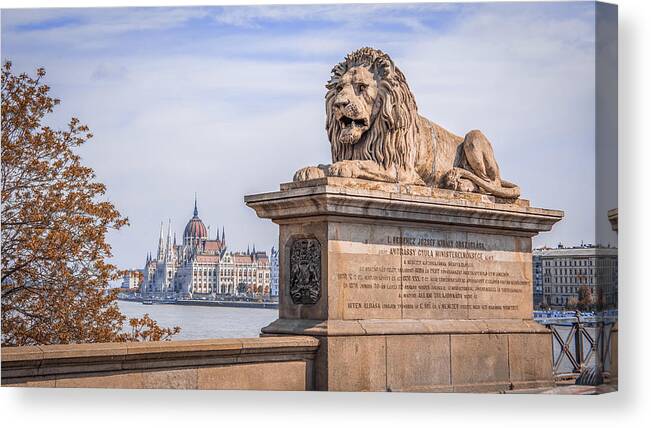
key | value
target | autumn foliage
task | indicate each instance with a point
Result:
(54, 222)
(146, 329)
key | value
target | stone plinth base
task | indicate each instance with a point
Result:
(426, 355)
(409, 288)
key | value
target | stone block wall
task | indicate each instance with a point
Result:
(269, 363)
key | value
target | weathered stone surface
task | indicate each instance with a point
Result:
(401, 326)
(614, 353)
(378, 271)
(285, 344)
(386, 327)
(165, 364)
(479, 358)
(613, 217)
(47, 383)
(529, 357)
(486, 387)
(355, 184)
(407, 263)
(386, 272)
(115, 351)
(426, 267)
(170, 379)
(359, 264)
(332, 197)
(287, 376)
(363, 136)
(119, 380)
(418, 363)
(22, 353)
(352, 363)
(213, 346)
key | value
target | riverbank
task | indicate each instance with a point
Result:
(228, 304)
(215, 303)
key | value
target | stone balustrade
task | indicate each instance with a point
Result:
(266, 363)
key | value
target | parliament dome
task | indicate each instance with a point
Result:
(195, 230)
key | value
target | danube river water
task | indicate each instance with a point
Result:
(204, 322)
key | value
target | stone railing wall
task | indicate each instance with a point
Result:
(266, 363)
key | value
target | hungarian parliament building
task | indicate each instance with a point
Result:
(201, 267)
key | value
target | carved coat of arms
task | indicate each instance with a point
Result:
(305, 272)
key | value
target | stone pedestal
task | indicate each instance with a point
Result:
(409, 288)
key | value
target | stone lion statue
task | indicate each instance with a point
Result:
(376, 133)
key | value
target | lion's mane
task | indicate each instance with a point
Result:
(390, 140)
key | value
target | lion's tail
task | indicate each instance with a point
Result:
(505, 189)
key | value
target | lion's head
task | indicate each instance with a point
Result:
(371, 112)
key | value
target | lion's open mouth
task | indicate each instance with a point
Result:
(352, 128)
(350, 122)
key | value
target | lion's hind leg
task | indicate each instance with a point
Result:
(480, 157)
(478, 172)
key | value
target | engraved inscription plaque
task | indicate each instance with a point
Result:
(305, 272)
(388, 272)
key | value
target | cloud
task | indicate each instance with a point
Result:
(106, 71)
(359, 15)
(229, 101)
(86, 29)
(100, 20)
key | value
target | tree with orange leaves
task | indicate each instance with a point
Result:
(54, 271)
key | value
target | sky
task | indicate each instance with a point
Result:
(229, 101)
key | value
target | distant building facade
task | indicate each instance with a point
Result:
(559, 273)
(537, 279)
(275, 272)
(245, 273)
(132, 280)
(202, 267)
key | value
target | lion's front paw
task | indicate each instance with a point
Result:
(346, 169)
(308, 173)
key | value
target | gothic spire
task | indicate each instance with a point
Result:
(223, 236)
(196, 211)
(161, 243)
(168, 244)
